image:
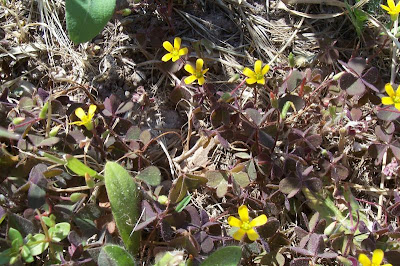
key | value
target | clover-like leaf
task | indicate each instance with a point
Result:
(388, 114)
(218, 180)
(351, 84)
(151, 175)
(227, 256)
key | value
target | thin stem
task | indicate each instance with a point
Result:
(393, 71)
(382, 186)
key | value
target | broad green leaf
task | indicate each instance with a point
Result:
(49, 221)
(124, 199)
(26, 254)
(59, 231)
(5, 256)
(227, 256)
(16, 236)
(113, 255)
(80, 168)
(151, 175)
(37, 244)
(86, 18)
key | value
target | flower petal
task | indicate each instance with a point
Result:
(92, 110)
(79, 123)
(80, 113)
(251, 81)
(258, 221)
(387, 100)
(201, 80)
(183, 51)
(377, 256)
(265, 69)
(235, 222)
(168, 46)
(248, 72)
(364, 260)
(387, 264)
(204, 71)
(257, 66)
(190, 79)
(386, 8)
(175, 58)
(397, 91)
(166, 57)
(252, 235)
(391, 4)
(189, 68)
(389, 90)
(199, 64)
(261, 81)
(177, 43)
(397, 105)
(243, 213)
(238, 235)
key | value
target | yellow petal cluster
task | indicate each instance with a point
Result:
(246, 226)
(256, 76)
(392, 9)
(175, 51)
(394, 97)
(197, 73)
(86, 119)
(377, 258)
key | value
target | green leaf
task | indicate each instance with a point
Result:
(5, 256)
(49, 221)
(227, 256)
(4, 133)
(59, 231)
(175, 257)
(86, 18)
(218, 180)
(151, 175)
(241, 178)
(26, 254)
(14, 259)
(113, 255)
(80, 168)
(37, 244)
(124, 199)
(75, 197)
(16, 236)
(181, 205)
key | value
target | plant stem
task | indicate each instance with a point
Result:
(393, 71)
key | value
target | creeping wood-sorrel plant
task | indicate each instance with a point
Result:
(199, 133)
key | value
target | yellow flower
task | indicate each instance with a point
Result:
(86, 120)
(392, 9)
(245, 224)
(377, 258)
(394, 97)
(175, 52)
(257, 75)
(197, 73)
